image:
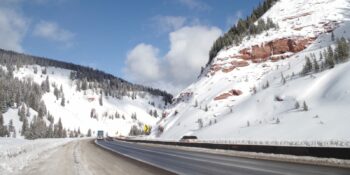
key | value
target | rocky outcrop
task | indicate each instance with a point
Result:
(233, 65)
(233, 92)
(182, 97)
(226, 68)
(273, 50)
(330, 26)
(297, 16)
(261, 53)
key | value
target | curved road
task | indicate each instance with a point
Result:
(84, 157)
(190, 162)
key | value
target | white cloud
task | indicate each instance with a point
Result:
(195, 4)
(52, 31)
(142, 64)
(169, 23)
(189, 48)
(13, 27)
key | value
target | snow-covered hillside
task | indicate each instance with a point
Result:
(250, 91)
(76, 112)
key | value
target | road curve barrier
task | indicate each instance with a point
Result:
(322, 152)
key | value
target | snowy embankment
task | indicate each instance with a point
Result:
(15, 154)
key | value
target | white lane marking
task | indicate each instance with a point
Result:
(202, 160)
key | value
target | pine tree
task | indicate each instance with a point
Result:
(63, 101)
(61, 90)
(14, 135)
(305, 107)
(60, 128)
(42, 111)
(25, 127)
(88, 133)
(116, 115)
(254, 90)
(2, 127)
(28, 112)
(3, 105)
(10, 126)
(307, 67)
(101, 100)
(71, 134)
(297, 105)
(47, 84)
(330, 58)
(44, 71)
(316, 66)
(283, 79)
(266, 85)
(78, 132)
(50, 131)
(56, 92)
(1, 120)
(84, 85)
(64, 134)
(155, 113)
(342, 50)
(200, 123)
(321, 56)
(22, 113)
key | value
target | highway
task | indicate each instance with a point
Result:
(84, 157)
(193, 162)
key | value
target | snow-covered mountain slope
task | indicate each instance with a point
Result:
(115, 114)
(231, 100)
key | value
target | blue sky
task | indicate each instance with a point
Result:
(115, 35)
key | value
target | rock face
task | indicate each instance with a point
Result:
(260, 53)
(228, 68)
(297, 16)
(274, 50)
(233, 92)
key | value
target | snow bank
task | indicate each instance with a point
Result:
(15, 154)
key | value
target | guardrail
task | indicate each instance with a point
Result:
(322, 152)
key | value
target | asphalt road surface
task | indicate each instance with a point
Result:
(84, 157)
(190, 162)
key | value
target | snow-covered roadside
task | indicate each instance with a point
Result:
(15, 154)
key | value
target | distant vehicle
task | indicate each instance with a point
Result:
(100, 135)
(188, 138)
